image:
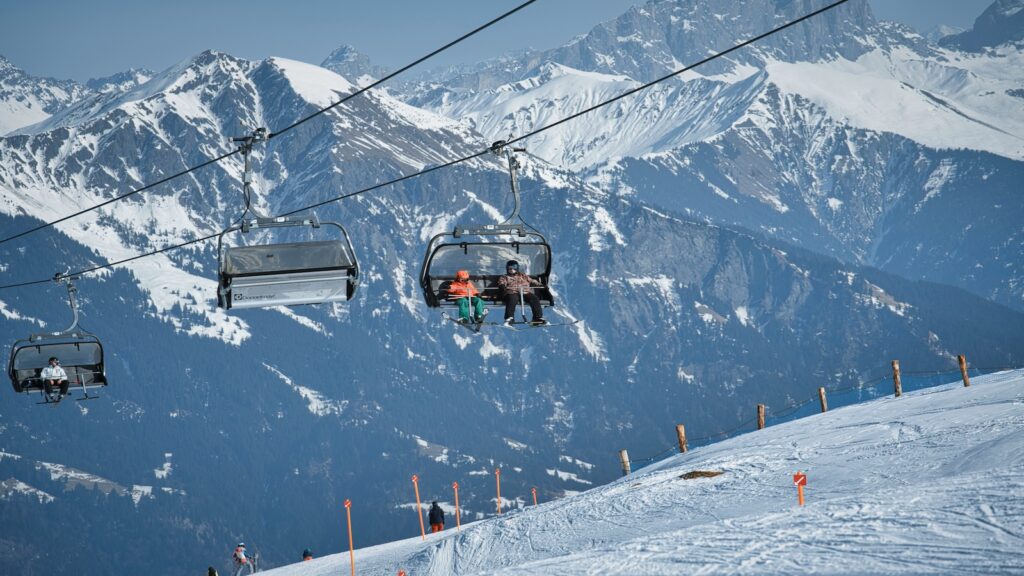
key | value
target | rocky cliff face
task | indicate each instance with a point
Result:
(1002, 23)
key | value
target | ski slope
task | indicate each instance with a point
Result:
(932, 482)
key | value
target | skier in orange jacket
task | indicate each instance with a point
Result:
(466, 295)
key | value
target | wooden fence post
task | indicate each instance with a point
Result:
(497, 481)
(824, 402)
(681, 435)
(760, 416)
(624, 459)
(963, 369)
(896, 378)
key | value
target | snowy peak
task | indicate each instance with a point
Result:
(1001, 23)
(316, 85)
(661, 36)
(353, 65)
(122, 81)
(25, 100)
(183, 87)
(941, 31)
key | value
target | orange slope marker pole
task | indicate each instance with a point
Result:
(419, 509)
(534, 492)
(351, 550)
(458, 518)
(800, 479)
(497, 480)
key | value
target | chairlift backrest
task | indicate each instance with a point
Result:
(287, 274)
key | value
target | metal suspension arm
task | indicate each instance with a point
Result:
(245, 145)
(59, 278)
(499, 148)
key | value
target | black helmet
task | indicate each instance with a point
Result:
(512, 264)
(52, 358)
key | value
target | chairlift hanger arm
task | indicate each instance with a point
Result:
(68, 280)
(501, 148)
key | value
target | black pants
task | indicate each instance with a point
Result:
(48, 385)
(512, 300)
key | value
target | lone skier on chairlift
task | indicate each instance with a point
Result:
(515, 289)
(54, 375)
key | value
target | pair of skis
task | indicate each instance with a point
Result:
(475, 327)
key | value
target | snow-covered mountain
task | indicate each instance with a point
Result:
(350, 63)
(931, 482)
(26, 100)
(256, 425)
(834, 135)
(1002, 23)
(941, 31)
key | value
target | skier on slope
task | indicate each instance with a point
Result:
(436, 517)
(242, 559)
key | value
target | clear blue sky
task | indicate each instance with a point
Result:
(82, 39)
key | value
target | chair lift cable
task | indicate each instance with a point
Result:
(482, 152)
(273, 134)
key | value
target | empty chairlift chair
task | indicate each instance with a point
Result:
(283, 274)
(286, 274)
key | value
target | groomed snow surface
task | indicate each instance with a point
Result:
(929, 483)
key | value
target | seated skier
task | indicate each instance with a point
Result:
(516, 288)
(465, 294)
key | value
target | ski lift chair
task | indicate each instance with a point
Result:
(283, 274)
(485, 260)
(80, 354)
(286, 274)
(484, 250)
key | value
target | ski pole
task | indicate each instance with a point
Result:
(522, 304)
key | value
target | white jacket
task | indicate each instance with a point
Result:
(54, 373)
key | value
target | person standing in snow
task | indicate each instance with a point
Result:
(211, 571)
(436, 517)
(466, 296)
(54, 375)
(242, 559)
(516, 287)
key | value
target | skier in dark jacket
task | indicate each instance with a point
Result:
(436, 517)
(516, 287)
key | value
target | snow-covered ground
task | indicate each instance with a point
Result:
(932, 482)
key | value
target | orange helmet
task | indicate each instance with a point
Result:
(462, 275)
